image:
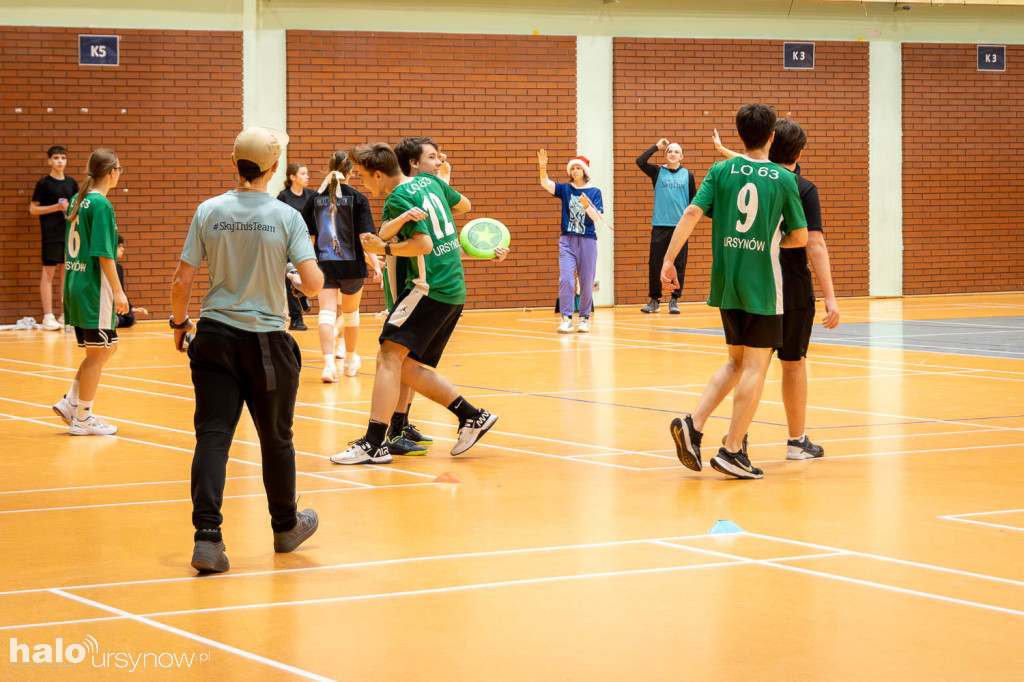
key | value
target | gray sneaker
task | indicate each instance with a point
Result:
(803, 449)
(652, 307)
(472, 430)
(306, 523)
(209, 557)
(673, 307)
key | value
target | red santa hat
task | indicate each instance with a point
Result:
(582, 161)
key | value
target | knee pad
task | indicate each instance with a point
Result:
(327, 317)
(350, 319)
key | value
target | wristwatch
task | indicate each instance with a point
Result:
(387, 249)
(183, 325)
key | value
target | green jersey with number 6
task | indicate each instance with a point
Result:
(438, 274)
(88, 295)
(748, 200)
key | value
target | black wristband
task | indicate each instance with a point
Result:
(183, 325)
(387, 250)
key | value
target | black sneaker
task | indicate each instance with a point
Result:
(403, 447)
(297, 326)
(472, 430)
(803, 449)
(652, 307)
(734, 464)
(687, 440)
(306, 523)
(743, 448)
(413, 434)
(673, 307)
(209, 557)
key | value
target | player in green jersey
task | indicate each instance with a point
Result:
(423, 319)
(92, 292)
(750, 196)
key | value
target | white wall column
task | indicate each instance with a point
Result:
(595, 140)
(264, 78)
(885, 168)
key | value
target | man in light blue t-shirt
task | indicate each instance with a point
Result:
(241, 353)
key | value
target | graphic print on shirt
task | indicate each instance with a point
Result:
(332, 244)
(577, 215)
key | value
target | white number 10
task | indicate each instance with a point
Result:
(449, 228)
(746, 202)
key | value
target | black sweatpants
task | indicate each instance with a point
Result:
(660, 239)
(294, 307)
(232, 367)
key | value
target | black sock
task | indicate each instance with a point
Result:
(375, 432)
(208, 534)
(462, 409)
(398, 422)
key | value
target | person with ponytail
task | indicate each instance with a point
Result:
(93, 296)
(336, 216)
(295, 193)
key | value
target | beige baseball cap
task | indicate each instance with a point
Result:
(261, 145)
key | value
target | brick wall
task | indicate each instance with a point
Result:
(170, 110)
(681, 89)
(961, 208)
(490, 102)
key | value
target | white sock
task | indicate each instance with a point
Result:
(800, 439)
(328, 359)
(84, 410)
(350, 357)
(73, 393)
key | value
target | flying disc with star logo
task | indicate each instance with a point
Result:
(480, 237)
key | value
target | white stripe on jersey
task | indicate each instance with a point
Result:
(106, 303)
(777, 266)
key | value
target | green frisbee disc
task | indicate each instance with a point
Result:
(481, 236)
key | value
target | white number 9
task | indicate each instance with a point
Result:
(746, 202)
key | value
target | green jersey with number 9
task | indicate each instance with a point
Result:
(438, 274)
(748, 200)
(88, 296)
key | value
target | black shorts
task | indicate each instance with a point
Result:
(422, 325)
(750, 330)
(796, 333)
(101, 338)
(53, 253)
(346, 286)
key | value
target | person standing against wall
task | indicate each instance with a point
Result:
(241, 353)
(674, 186)
(50, 203)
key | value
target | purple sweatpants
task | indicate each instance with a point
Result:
(577, 256)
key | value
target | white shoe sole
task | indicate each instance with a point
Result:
(66, 418)
(365, 459)
(479, 432)
(723, 467)
(794, 453)
(329, 377)
(78, 431)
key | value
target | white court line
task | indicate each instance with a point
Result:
(983, 523)
(359, 564)
(984, 513)
(777, 563)
(108, 485)
(196, 638)
(961, 518)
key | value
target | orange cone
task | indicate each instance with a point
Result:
(447, 477)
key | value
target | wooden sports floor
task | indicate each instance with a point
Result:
(574, 546)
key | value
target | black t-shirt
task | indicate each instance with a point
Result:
(339, 251)
(797, 285)
(48, 191)
(296, 201)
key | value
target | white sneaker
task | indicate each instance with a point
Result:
(50, 323)
(330, 375)
(361, 452)
(352, 367)
(65, 410)
(566, 326)
(584, 325)
(339, 349)
(472, 430)
(92, 426)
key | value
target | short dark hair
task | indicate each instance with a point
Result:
(411, 149)
(755, 123)
(56, 149)
(376, 156)
(789, 141)
(120, 240)
(249, 170)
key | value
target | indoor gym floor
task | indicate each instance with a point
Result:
(575, 546)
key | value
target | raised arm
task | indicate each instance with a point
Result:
(542, 166)
(643, 161)
(717, 141)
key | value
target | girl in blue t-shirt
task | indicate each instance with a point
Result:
(582, 206)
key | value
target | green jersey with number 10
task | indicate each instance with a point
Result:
(439, 273)
(748, 200)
